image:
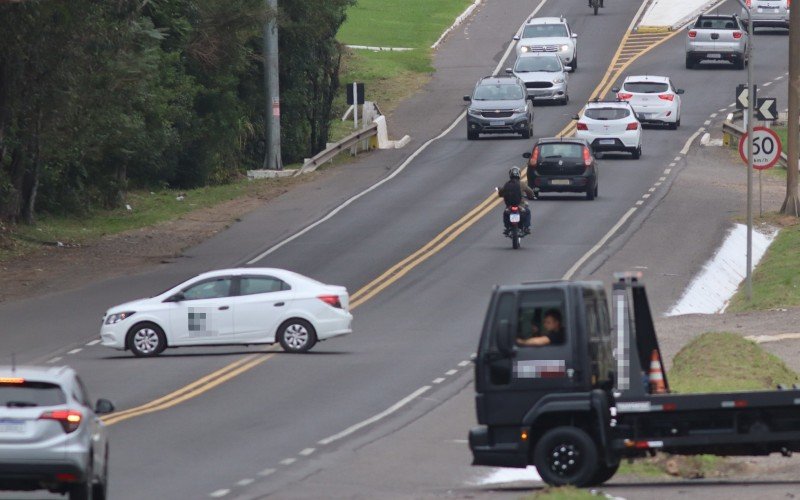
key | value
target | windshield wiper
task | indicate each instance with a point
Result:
(20, 404)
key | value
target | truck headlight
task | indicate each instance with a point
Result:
(522, 109)
(474, 112)
(116, 318)
(524, 49)
(564, 48)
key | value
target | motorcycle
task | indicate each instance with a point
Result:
(514, 231)
(596, 4)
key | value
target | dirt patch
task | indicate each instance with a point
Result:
(58, 268)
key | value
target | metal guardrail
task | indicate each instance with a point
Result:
(328, 154)
(730, 129)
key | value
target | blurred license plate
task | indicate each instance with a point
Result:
(715, 56)
(560, 182)
(513, 217)
(12, 427)
(609, 142)
(499, 123)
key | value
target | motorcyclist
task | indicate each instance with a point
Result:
(513, 193)
(601, 3)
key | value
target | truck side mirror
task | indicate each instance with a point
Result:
(467, 98)
(504, 341)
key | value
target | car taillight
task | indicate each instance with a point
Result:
(737, 34)
(788, 4)
(70, 420)
(515, 209)
(534, 157)
(331, 300)
(581, 126)
(692, 34)
(632, 126)
(12, 380)
(624, 96)
(587, 157)
(748, 3)
(666, 97)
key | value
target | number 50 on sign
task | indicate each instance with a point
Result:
(766, 148)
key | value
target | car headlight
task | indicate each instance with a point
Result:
(474, 112)
(564, 48)
(116, 318)
(522, 109)
(524, 49)
(558, 79)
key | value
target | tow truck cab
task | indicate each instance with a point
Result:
(575, 407)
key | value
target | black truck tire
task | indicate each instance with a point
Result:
(603, 474)
(566, 456)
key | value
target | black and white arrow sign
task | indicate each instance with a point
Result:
(743, 96)
(767, 109)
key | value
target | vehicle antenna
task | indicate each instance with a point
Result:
(13, 362)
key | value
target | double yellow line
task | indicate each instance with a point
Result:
(387, 278)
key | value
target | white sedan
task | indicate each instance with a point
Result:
(231, 306)
(610, 126)
(654, 99)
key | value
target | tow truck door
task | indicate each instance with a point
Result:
(510, 379)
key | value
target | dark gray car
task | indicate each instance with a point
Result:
(499, 105)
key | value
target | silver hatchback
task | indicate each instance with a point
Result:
(50, 435)
(768, 13)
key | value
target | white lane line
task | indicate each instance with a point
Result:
(395, 407)
(308, 451)
(219, 493)
(599, 244)
(652, 190)
(55, 360)
(394, 174)
(662, 179)
(677, 159)
(640, 203)
(245, 482)
(438, 380)
(691, 140)
(266, 472)
(779, 77)
(722, 110)
(94, 342)
(656, 185)
(464, 363)
(713, 115)
(645, 196)
(767, 84)
(667, 171)
(75, 351)
(707, 123)
(731, 105)
(672, 164)
(288, 461)
(450, 372)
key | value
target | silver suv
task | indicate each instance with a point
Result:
(717, 38)
(549, 34)
(50, 435)
(768, 13)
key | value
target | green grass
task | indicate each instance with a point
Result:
(722, 362)
(562, 493)
(776, 279)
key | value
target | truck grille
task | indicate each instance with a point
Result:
(543, 48)
(538, 85)
(497, 114)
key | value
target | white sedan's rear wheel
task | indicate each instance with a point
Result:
(297, 335)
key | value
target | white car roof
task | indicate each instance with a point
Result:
(647, 78)
(265, 271)
(546, 20)
(52, 374)
(608, 104)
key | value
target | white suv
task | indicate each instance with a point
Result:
(50, 435)
(549, 34)
(610, 126)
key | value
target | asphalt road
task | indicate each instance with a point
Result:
(419, 329)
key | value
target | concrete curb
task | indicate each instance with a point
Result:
(653, 29)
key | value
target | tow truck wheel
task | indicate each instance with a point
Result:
(566, 456)
(603, 474)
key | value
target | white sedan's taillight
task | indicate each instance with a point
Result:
(70, 420)
(331, 300)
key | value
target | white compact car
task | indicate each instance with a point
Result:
(549, 34)
(610, 126)
(654, 99)
(231, 306)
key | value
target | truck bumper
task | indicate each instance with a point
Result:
(486, 452)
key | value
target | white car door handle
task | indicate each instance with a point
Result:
(223, 308)
(279, 304)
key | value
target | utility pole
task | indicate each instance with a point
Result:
(272, 158)
(791, 205)
(751, 98)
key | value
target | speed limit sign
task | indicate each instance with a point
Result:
(766, 148)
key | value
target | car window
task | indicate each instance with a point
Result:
(646, 87)
(607, 113)
(540, 313)
(209, 289)
(254, 285)
(544, 31)
(561, 150)
(31, 393)
(715, 23)
(498, 92)
(550, 64)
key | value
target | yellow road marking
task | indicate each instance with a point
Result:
(387, 278)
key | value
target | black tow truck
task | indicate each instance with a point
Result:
(578, 406)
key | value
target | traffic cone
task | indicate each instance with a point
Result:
(656, 375)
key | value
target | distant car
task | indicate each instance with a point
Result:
(231, 306)
(768, 13)
(654, 99)
(562, 165)
(717, 38)
(544, 75)
(499, 105)
(51, 437)
(549, 34)
(610, 126)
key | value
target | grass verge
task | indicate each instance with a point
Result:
(776, 279)
(562, 493)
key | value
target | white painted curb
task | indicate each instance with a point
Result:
(460, 19)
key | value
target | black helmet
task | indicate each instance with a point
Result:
(514, 173)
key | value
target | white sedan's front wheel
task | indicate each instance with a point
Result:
(146, 340)
(297, 335)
